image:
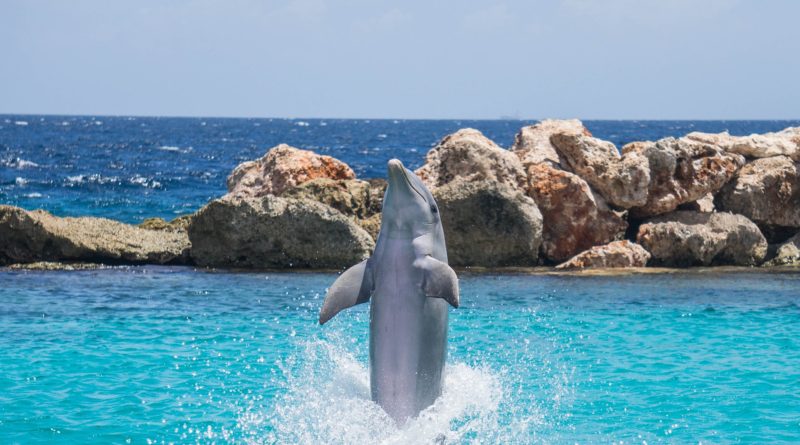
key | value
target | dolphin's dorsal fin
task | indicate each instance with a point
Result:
(354, 286)
(439, 280)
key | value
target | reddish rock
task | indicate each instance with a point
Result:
(575, 218)
(622, 181)
(532, 144)
(469, 155)
(617, 254)
(282, 167)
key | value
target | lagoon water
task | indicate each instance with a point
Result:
(150, 355)
(173, 355)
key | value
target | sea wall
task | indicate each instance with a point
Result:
(557, 197)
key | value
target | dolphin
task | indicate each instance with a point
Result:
(408, 283)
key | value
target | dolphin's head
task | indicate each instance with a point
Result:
(408, 206)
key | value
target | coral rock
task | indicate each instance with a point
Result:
(617, 254)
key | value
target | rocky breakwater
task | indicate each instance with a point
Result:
(290, 209)
(559, 196)
(38, 236)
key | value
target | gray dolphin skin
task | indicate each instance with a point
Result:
(409, 284)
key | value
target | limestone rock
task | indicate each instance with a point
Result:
(622, 181)
(352, 197)
(767, 191)
(686, 238)
(681, 172)
(532, 144)
(788, 253)
(489, 224)
(360, 200)
(616, 254)
(283, 167)
(470, 155)
(575, 218)
(39, 236)
(179, 224)
(704, 204)
(781, 143)
(275, 232)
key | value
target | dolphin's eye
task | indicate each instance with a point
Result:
(434, 209)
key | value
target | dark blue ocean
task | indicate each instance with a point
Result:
(131, 168)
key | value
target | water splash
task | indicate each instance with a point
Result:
(326, 399)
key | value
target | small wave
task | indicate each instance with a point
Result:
(21, 123)
(144, 182)
(18, 163)
(175, 149)
(33, 195)
(21, 182)
(91, 179)
(302, 124)
(382, 136)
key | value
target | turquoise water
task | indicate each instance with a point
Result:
(172, 355)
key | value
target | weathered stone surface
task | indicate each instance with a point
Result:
(616, 254)
(622, 181)
(704, 204)
(282, 167)
(681, 172)
(352, 197)
(361, 200)
(39, 236)
(179, 224)
(489, 224)
(274, 232)
(767, 191)
(532, 144)
(575, 219)
(469, 155)
(781, 143)
(788, 253)
(686, 238)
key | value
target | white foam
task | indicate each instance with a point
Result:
(21, 123)
(21, 182)
(18, 163)
(33, 195)
(169, 148)
(302, 124)
(326, 399)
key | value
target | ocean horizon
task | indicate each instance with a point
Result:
(131, 168)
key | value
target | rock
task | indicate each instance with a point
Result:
(39, 236)
(788, 253)
(622, 181)
(768, 192)
(489, 224)
(352, 197)
(532, 144)
(282, 167)
(575, 219)
(470, 155)
(686, 238)
(178, 224)
(681, 172)
(617, 254)
(361, 200)
(782, 143)
(275, 232)
(704, 204)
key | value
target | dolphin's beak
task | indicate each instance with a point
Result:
(398, 178)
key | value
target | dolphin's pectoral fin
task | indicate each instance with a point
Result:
(354, 286)
(439, 280)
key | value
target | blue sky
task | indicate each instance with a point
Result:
(611, 59)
